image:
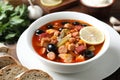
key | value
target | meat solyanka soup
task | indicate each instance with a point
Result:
(60, 41)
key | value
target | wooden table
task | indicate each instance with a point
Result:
(115, 11)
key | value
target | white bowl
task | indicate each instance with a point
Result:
(69, 67)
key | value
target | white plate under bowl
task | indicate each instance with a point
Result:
(105, 66)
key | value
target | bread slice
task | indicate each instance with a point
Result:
(3, 53)
(34, 74)
(1, 76)
(11, 71)
(3, 48)
(7, 60)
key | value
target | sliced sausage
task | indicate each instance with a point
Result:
(51, 55)
(80, 48)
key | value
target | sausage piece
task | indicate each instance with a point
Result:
(51, 55)
(62, 49)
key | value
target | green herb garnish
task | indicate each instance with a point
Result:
(13, 21)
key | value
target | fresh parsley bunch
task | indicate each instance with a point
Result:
(13, 21)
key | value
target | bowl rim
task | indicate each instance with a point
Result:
(106, 43)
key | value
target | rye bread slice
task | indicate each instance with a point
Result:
(11, 71)
(34, 74)
(7, 60)
(3, 48)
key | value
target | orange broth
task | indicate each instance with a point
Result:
(36, 42)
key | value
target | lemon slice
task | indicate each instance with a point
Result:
(50, 2)
(91, 35)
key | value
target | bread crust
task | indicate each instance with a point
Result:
(34, 74)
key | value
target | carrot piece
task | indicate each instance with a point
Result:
(80, 58)
(42, 51)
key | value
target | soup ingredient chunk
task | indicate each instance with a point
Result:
(88, 54)
(62, 49)
(91, 35)
(51, 55)
(39, 31)
(67, 58)
(51, 47)
(76, 23)
(80, 58)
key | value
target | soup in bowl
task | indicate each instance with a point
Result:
(67, 42)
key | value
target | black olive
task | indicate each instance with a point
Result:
(84, 25)
(38, 32)
(88, 54)
(76, 23)
(49, 26)
(63, 23)
(60, 29)
(51, 47)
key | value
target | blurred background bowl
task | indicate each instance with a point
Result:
(97, 8)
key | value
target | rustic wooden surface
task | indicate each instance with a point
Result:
(115, 11)
(64, 5)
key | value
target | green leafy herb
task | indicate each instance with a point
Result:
(13, 21)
